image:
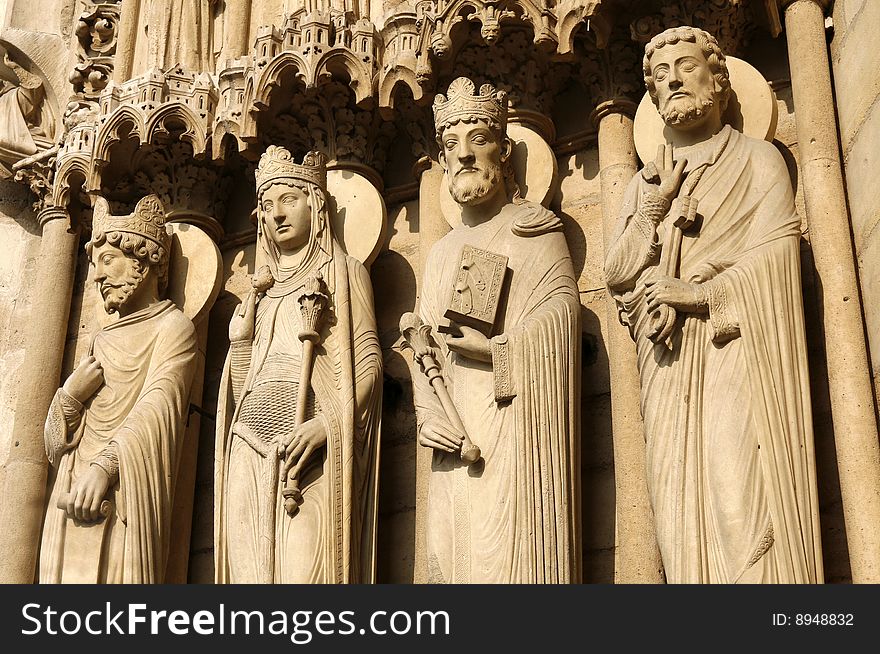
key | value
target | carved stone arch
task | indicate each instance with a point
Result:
(574, 15)
(339, 64)
(158, 127)
(225, 139)
(403, 42)
(257, 95)
(71, 176)
(125, 123)
(391, 85)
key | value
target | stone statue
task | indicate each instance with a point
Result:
(512, 373)
(115, 429)
(24, 127)
(176, 32)
(298, 418)
(705, 269)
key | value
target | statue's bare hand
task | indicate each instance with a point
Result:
(440, 435)
(241, 327)
(85, 380)
(670, 174)
(87, 493)
(471, 344)
(301, 444)
(679, 295)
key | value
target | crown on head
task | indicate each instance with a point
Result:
(148, 220)
(277, 164)
(490, 105)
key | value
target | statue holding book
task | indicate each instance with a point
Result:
(497, 338)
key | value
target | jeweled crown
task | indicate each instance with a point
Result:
(277, 163)
(148, 220)
(490, 105)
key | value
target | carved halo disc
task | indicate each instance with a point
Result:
(359, 217)
(534, 166)
(195, 271)
(752, 110)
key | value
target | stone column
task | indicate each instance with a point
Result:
(849, 380)
(636, 557)
(26, 468)
(432, 227)
(129, 15)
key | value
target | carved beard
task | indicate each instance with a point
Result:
(683, 111)
(469, 188)
(117, 292)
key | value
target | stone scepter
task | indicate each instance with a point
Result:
(417, 336)
(312, 303)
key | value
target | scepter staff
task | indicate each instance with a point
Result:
(417, 337)
(312, 304)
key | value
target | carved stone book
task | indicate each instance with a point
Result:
(478, 287)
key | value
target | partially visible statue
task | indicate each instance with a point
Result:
(23, 127)
(175, 32)
(705, 269)
(510, 365)
(115, 429)
(298, 418)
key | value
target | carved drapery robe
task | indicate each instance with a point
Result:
(332, 538)
(175, 32)
(515, 519)
(148, 359)
(730, 456)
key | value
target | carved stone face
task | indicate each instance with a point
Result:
(472, 156)
(287, 215)
(686, 90)
(117, 275)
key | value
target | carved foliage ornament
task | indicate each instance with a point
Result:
(730, 21)
(96, 33)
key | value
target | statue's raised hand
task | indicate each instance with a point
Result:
(85, 380)
(666, 174)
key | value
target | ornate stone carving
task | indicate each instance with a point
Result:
(38, 172)
(490, 521)
(705, 268)
(444, 29)
(612, 73)
(115, 429)
(96, 34)
(330, 122)
(298, 417)
(730, 21)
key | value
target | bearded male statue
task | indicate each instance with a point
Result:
(512, 517)
(300, 399)
(705, 269)
(115, 429)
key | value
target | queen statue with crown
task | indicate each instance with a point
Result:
(300, 398)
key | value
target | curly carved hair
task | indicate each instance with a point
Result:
(708, 45)
(146, 252)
